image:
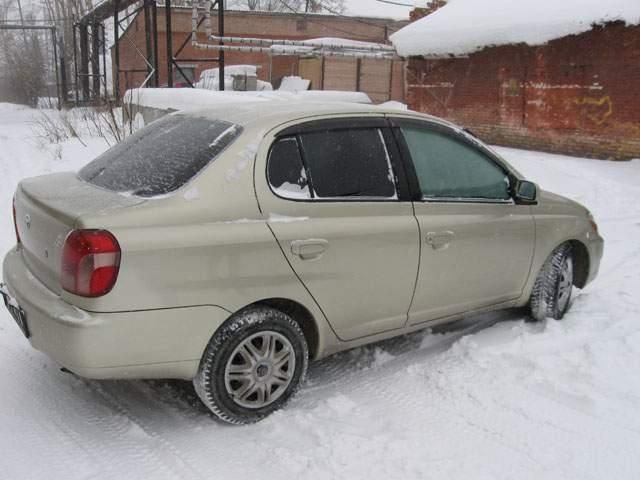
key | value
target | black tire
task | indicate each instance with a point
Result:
(550, 297)
(210, 382)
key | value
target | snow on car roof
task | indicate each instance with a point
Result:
(194, 98)
(275, 113)
(465, 26)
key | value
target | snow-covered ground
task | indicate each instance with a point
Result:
(494, 398)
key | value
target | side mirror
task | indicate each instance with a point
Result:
(525, 192)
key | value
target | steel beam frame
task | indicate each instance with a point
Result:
(86, 61)
(91, 74)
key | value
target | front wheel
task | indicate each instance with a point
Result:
(552, 290)
(253, 364)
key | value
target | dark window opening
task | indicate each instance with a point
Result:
(285, 169)
(348, 163)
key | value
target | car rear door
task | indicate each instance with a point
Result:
(477, 243)
(336, 199)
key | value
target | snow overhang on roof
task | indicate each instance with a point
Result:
(465, 26)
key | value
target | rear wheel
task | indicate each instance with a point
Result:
(252, 365)
(552, 290)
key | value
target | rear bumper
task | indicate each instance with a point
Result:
(166, 343)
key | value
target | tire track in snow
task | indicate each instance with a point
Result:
(179, 464)
(119, 444)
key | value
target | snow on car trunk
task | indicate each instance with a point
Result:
(46, 211)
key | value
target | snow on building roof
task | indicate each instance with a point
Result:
(465, 26)
(372, 8)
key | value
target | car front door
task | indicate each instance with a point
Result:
(336, 199)
(476, 242)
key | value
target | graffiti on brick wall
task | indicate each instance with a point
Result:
(596, 109)
(428, 92)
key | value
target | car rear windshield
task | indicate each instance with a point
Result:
(161, 157)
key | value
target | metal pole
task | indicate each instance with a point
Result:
(154, 21)
(55, 63)
(367, 47)
(116, 51)
(95, 59)
(167, 17)
(63, 76)
(75, 64)
(282, 50)
(221, 52)
(104, 63)
(147, 35)
(84, 60)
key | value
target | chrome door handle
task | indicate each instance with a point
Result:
(440, 240)
(309, 249)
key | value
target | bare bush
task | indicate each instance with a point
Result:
(56, 127)
(103, 122)
(52, 127)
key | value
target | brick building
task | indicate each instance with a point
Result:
(382, 79)
(578, 94)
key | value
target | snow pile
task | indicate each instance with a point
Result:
(209, 79)
(395, 9)
(193, 98)
(310, 96)
(249, 70)
(465, 26)
(395, 105)
(294, 84)
(180, 98)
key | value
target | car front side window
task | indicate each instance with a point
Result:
(449, 169)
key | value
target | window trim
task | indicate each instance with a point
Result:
(457, 135)
(402, 193)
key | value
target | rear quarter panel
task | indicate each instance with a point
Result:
(205, 244)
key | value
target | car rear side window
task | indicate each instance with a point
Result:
(161, 157)
(348, 163)
(286, 171)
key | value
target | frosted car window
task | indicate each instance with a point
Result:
(286, 171)
(161, 157)
(448, 168)
(348, 163)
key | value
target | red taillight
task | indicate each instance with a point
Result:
(90, 263)
(15, 220)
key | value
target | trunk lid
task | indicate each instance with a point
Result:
(47, 208)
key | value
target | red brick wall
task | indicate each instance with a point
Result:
(251, 24)
(577, 95)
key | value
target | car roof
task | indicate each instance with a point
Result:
(272, 113)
